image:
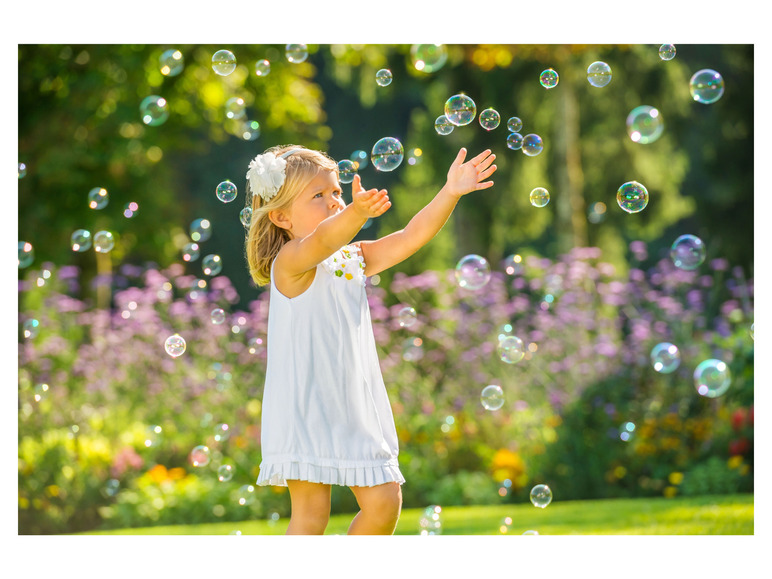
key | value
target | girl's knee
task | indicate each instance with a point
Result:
(387, 501)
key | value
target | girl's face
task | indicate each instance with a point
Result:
(322, 198)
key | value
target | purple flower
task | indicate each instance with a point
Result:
(719, 264)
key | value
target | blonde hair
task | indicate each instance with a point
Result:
(265, 239)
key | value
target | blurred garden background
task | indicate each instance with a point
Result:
(107, 420)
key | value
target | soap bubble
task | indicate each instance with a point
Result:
(515, 141)
(31, 328)
(218, 316)
(428, 57)
(406, 317)
(626, 431)
(226, 191)
(225, 473)
(347, 169)
(190, 252)
(103, 241)
(665, 357)
(541, 496)
(599, 74)
(430, 522)
(223, 62)
(712, 378)
(80, 240)
(199, 456)
(222, 432)
(531, 532)
(549, 78)
(130, 209)
(262, 67)
(22, 170)
(489, 119)
(443, 126)
(296, 53)
(360, 159)
(472, 272)
(596, 212)
(632, 197)
(211, 264)
(154, 110)
(172, 62)
(245, 216)
(644, 124)
(706, 86)
(152, 435)
(514, 124)
(540, 197)
(98, 198)
(175, 345)
(387, 154)
(249, 130)
(510, 349)
(532, 145)
(513, 265)
(245, 495)
(412, 349)
(687, 252)
(41, 391)
(751, 332)
(200, 230)
(383, 77)
(505, 526)
(460, 110)
(667, 52)
(235, 108)
(492, 397)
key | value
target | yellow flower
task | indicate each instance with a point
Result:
(670, 492)
(734, 461)
(675, 478)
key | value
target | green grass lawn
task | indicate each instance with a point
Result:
(712, 515)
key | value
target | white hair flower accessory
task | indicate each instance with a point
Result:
(266, 175)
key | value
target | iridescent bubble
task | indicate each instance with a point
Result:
(626, 431)
(250, 130)
(226, 191)
(406, 317)
(665, 357)
(489, 119)
(687, 252)
(539, 197)
(751, 333)
(599, 74)
(154, 110)
(514, 124)
(111, 487)
(667, 52)
(80, 240)
(492, 397)
(472, 272)
(513, 265)
(644, 124)
(505, 525)
(383, 77)
(255, 345)
(190, 252)
(223, 62)
(549, 78)
(541, 496)
(360, 158)
(515, 141)
(130, 209)
(40, 391)
(235, 108)
(531, 532)
(175, 345)
(412, 349)
(222, 432)
(31, 328)
(98, 198)
(706, 86)
(428, 57)
(152, 435)
(712, 378)
(387, 154)
(597, 212)
(510, 349)
(218, 316)
(225, 473)
(103, 241)
(443, 126)
(262, 67)
(245, 216)
(172, 62)
(245, 495)
(346, 170)
(200, 230)
(200, 456)
(532, 145)
(211, 264)
(430, 522)
(460, 110)
(296, 53)
(632, 197)
(22, 170)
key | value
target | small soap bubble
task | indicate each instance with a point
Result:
(98, 198)
(706, 86)
(687, 252)
(541, 496)
(130, 209)
(514, 124)
(200, 456)
(222, 432)
(171, 62)
(632, 197)
(489, 119)
(22, 170)
(549, 78)
(245, 495)
(225, 473)
(80, 240)
(460, 110)
(360, 159)
(250, 130)
(596, 212)
(175, 345)
(515, 141)
(245, 216)
(103, 241)
(412, 349)
(644, 124)
(211, 264)
(387, 154)
(383, 77)
(273, 518)
(539, 197)
(347, 169)
(235, 108)
(443, 126)
(152, 435)
(430, 522)
(255, 345)
(667, 52)
(406, 317)
(532, 145)
(513, 265)
(154, 110)
(626, 431)
(40, 391)
(190, 252)
(751, 333)
(505, 525)
(296, 53)
(531, 532)
(218, 316)
(599, 74)
(200, 230)
(31, 328)
(510, 349)
(712, 378)
(492, 397)
(472, 272)
(226, 191)
(262, 67)
(665, 357)
(223, 62)
(428, 57)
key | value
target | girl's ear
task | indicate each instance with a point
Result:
(280, 219)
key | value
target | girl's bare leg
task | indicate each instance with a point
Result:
(310, 507)
(380, 507)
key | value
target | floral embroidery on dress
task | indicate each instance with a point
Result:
(347, 263)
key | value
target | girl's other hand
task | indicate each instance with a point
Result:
(370, 203)
(466, 177)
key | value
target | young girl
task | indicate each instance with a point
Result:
(326, 418)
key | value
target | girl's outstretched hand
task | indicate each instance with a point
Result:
(471, 176)
(370, 203)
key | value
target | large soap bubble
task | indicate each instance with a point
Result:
(706, 86)
(460, 109)
(387, 154)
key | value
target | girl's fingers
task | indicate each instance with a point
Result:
(481, 156)
(460, 157)
(486, 162)
(486, 173)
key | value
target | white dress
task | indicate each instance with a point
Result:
(326, 417)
